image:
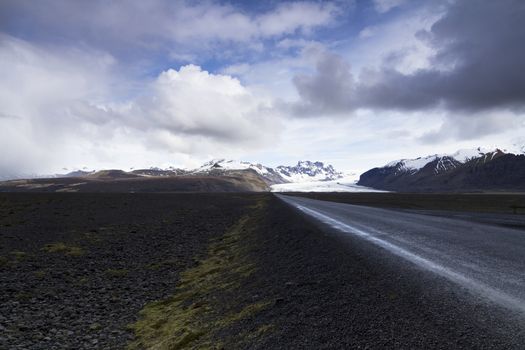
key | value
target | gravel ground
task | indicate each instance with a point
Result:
(76, 270)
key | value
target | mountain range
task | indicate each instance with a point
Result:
(218, 175)
(465, 170)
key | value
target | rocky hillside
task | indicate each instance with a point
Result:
(465, 170)
(221, 167)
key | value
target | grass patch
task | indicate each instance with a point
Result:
(40, 274)
(95, 326)
(205, 302)
(82, 281)
(92, 237)
(117, 272)
(61, 247)
(19, 255)
(23, 296)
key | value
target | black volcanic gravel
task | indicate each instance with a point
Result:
(133, 248)
(327, 291)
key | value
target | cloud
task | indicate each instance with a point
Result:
(367, 32)
(67, 104)
(191, 101)
(460, 127)
(478, 65)
(125, 27)
(383, 6)
(327, 91)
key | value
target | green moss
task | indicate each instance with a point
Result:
(205, 302)
(117, 272)
(23, 296)
(40, 273)
(61, 247)
(19, 255)
(92, 237)
(95, 326)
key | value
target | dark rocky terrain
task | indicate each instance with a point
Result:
(216, 271)
(499, 172)
(120, 181)
(77, 268)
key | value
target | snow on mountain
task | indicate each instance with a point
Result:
(517, 148)
(223, 164)
(413, 165)
(443, 161)
(306, 171)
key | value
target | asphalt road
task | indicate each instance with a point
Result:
(486, 260)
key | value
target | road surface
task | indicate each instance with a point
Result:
(487, 260)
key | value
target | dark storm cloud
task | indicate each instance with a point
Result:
(330, 88)
(479, 65)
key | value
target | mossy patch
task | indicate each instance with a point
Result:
(205, 303)
(19, 255)
(23, 296)
(92, 237)
(61, 247)
(117, 272)
(40, 274)
(95, 326)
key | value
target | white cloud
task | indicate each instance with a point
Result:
(194, 102)
(393, 43)
(366, 32)
(61, 108)
(290, 17)
(383, 6)
(150, 24)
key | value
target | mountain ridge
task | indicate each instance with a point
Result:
(465, 170)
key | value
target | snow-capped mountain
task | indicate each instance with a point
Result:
(224, 164)
(308, 171)
(465, 169)
(444, 162)
(304, 171)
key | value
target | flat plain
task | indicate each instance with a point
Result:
(231, 271)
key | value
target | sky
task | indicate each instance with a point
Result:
(354, 83)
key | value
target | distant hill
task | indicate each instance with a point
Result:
(231, 183)
(465, 170)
